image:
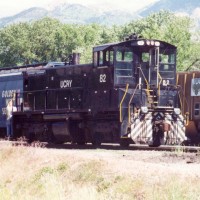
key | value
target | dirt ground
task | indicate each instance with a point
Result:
(108, 172)
(126, 161)
(135, 162)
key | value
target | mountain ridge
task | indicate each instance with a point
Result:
(81, 14)
(183, 6)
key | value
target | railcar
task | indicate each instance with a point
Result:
(190, 103)
(128, 94)
(11, 82)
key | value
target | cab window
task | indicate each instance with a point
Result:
(103, 58)
(123, 66)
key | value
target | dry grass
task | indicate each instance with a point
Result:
(34, 173)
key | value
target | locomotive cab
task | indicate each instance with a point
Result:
(151, 66)
(144, 78)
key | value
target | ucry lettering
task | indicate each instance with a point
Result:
(65, 83)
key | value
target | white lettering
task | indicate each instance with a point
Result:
(65, 83)
(102, 78)
(4, 111)
(8, 93)
(165, 82)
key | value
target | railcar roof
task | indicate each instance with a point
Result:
(130, 43)
(190, 72)
(104, 46)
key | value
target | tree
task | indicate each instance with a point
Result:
(14, 48)
(50, 40)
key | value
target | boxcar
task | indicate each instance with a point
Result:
(189, 83)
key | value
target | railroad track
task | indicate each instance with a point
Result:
(168, 148)
(109, 146)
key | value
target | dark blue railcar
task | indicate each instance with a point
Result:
(10, 83)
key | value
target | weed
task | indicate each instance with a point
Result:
(62, 167)
(103, 184)
(87, 172)
(42, 172)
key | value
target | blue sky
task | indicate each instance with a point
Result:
(11, 7)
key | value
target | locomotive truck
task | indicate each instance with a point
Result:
(128, 94)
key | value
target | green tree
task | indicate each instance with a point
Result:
(43, 39)
(50, 40)
(14, 47)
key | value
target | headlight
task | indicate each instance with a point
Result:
(148, 42)
(152, 42)
(157, 44)
(177, 111)
(140, 43)
(144, 110)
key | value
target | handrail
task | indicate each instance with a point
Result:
(180, 100)
(120, 105)
(144, 77)
(129, 109)
(159, 84)
(187, 118)
(185, 79)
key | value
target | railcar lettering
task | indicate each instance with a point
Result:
(65, 83)
(4, 111)
(7, 93)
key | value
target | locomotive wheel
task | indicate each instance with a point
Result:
(77, 133)
(54, 140)
(80, 140)
(187, 143)
(156, 140)
(31, 137)
(96, 140)
(154, 145)
(124, 142)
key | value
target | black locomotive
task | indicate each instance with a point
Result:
(128, 94)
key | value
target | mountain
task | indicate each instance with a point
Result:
(27, 15)
(179, 6)
(82, 14)
(72, 13)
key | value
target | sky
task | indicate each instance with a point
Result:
(12, 7)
